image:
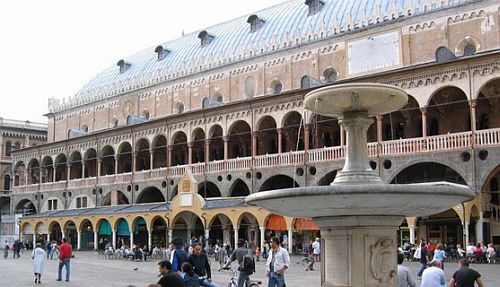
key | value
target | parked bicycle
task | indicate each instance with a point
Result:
(234, 279)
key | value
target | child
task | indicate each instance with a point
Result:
(257, 253)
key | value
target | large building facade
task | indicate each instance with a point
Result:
(14, 135)
(222, 110)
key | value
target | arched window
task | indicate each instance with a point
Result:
(6, 183)
(8, 149)
(330, 76)
(443, 54)
(305, 82)
(276, 87)
(162, 52)
(179, 108)
(469, 50)
(314, 6)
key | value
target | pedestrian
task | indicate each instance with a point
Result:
(201, 266)
(277, 263)
(433, 276)
(6, 248)
(440, 254)
(178, 256)
(405, 277)
(265, 252)
(316, 250)
(464, 276)
(257, 253)
(222, 256)
(188, 276)
(491, 254)
(424, 259)
(169, 278)
(238, 255)
(49, 249)
(64, 259)
(38, 257)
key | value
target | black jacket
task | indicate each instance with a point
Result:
(200, 264)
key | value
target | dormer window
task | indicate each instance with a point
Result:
(123, 65)
(205, 38)
(162, 52)
(255, 23)
(314, 6)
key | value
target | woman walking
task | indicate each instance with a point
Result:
(38, 256)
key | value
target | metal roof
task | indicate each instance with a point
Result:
(224, 202)
(285, 25)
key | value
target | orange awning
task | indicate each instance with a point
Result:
(276, 223)
(305, 224)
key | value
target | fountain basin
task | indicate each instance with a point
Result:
(419, 199)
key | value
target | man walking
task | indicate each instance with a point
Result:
(64, 258)
(424, 259)
(277, 263)
(201, 266)
(238, 255)
(464, 276)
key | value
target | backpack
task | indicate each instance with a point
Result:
(248, 263)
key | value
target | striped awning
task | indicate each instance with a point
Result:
(304, 224)
(276, 223)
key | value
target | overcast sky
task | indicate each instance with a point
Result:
(51, 48)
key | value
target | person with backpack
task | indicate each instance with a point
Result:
(245, 260)
(277, 263)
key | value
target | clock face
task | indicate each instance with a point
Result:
(128, 109)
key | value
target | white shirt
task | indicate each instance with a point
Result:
(433, 277)
(470, 249)
(316, 247)
(281, 259)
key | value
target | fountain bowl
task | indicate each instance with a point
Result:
(419, 199)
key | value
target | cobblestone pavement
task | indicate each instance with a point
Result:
(89, 271)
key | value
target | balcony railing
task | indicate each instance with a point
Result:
(445, 142)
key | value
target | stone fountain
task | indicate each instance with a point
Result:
(359, 214)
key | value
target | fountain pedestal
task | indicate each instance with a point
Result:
(359, 214)
(359, 250)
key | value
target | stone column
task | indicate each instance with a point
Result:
(466, 232)
(169, 157)
(114, 239)
(150, 240)
(226, 147)
(99, 161)
(68, 172)
(236, 237)
(280, 140)
(424, 121)
(63, 235)
(207, 235)
(78, 239)
(262, 237)
(226, 235)
(96, 240)
(379, 128)
(83, 169)
(116, 164)
(342, 136)
(190, 152)
(412, 228)
(255, 138)
(290, 240)
(131, 238)
(134, 161)
(307, 132)
(53, 173)
(479, 228)
(48, 236)
(207, 151)
(151, 158)
(170, 235)
(359, 251)
(473, 104)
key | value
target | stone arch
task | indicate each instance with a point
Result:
(90, 159)
(186, 224)
(279, 181)
(121, 198)
(142, 153)
(140, 228)
(403, 123)
(107, 160)
(33, 171)
(446, 109)
(240, 140)
(208, 189)
(487, 105)
(159, 146)
(150, 194)
(124, 155)
(292, 139)
(26, 207)
(221, 228)
(464, 42)
(198, 145)
(216, 148)
(248, 224)
(427, 172)
(159, 230)
(267, 140)
(47, 169)
(61, 163)
(55, 231)
(180, 148)
(75, 162)
(328, 178)
(239, 188)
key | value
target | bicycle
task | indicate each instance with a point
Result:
(234, 279)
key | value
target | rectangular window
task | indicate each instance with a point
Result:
(54, 204)
(84, 202)
(78, 202)
(50, 204)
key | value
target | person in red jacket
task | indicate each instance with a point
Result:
(64, 258)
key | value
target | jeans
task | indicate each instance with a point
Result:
(423, 266)
(65, 263)
(242, 278)
(206, 283)
(276, 280)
